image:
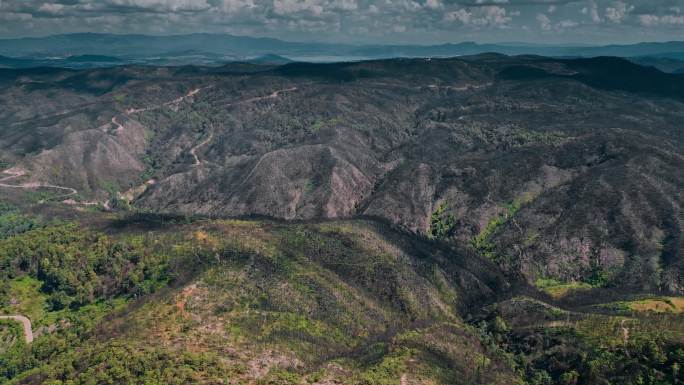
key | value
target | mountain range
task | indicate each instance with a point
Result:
(479, 219)
(88, 50)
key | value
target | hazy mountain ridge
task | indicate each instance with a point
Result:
(204, 49)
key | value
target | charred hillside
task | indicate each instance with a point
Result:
(564, 169)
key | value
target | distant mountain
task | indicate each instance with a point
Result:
(137, 46)
(207, 48)
(92, 59)
(664, 64)
(270, 59)
(76, 61)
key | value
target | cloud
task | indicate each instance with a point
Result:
(592, 11)
(355, 21)
(666, 20)
(544, 22)
(564, 24)
(618, 11)
(485, 16)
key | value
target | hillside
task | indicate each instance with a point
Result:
(132, 298)
(478, 220)
(563, 169)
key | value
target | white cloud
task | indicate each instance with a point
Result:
(232, 6)
(51, 8)
(592, 11)
(161, 5)
(492, 16)
(544, 22)
(462, 16)
(346, 5)
(672, 20)
(285, 7)
(433, 4)
(484, 16)
(618, 11)
(566, 24)
(357, 21)
(648, 20)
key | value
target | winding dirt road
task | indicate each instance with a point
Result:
(465, 87)
(193, 151)
(26, 323)
(13, 173)
(119, 126)
(16, 173)
(273, 95)
(176, 101)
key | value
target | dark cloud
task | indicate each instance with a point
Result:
(415, 21)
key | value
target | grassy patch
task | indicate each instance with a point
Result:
(672, 305)
(558, 289)
(441, 223)
(24, 297)
(482, 242)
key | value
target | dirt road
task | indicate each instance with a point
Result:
(273, 95)
(16, 173)
(193, 151)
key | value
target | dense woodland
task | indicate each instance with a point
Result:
(121, 305)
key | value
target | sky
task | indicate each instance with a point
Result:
(359, 21)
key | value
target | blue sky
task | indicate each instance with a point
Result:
(359, 21)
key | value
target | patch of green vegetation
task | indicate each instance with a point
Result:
(310, 186)
(596, 349)
(110, 187)
(4, 163)
(482, 241)
(558, 289)
(23, 296)
(653, 304)
(268, 326)
(13, 222)
(129, 362)
(442, 223)
(40, 196)
(77, 266)
(389, 370)
(321, 124)
(281, 377)
(151, 168)
(523, 136)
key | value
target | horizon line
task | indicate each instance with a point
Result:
(510, 43)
